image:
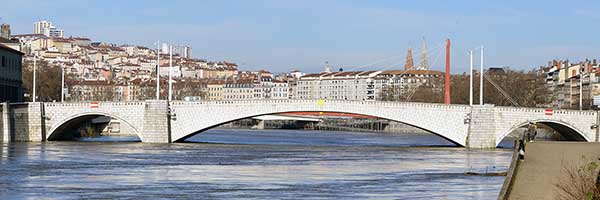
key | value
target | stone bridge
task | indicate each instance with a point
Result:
(164, 122)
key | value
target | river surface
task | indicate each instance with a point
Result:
(257, 164)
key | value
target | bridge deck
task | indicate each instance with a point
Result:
(544, 165)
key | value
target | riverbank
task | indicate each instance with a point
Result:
(544, 168)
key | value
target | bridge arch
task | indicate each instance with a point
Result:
(57, 128)
(446, 121)
(232, 120)
(566, 129)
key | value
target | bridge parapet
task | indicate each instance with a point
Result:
(341, 102)
(542, 110)
(86, 104)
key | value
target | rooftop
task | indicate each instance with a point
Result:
(10, 49)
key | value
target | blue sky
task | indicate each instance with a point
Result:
(284, 35)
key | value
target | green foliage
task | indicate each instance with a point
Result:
(528, 89)
(48, 81)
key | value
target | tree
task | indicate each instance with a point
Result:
(189, 87)
(48, 81)
(528, 89)
(427, 91)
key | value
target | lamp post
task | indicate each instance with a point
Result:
(170, 72)
(158, 71)
(582, 75)
(34, 70)
(471, 79)
(62, 84)
(481, 79)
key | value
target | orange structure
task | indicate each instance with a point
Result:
(447, 78)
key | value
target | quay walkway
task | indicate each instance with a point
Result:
(537, 176)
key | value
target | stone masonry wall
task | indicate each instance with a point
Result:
(482, 127)
(508, 119)
(444, 120)
(26, 122)
(156, 122)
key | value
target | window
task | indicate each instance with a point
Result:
(3, 61)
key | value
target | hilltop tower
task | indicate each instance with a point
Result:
(327, 67)
(424, 65)
(409, 65)
(5, 31)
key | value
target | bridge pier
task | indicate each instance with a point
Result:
(157, 122)
(482, 127)
(22, 122)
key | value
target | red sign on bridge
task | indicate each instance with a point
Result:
(548, 112)
(94, 104)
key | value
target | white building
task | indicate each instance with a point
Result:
(183, 51)
(280, 90)
(296, 74)
(239, 89)
(411, 78)
(54, 32)
(38, 27)
(356, 85)
(268, 88)
(48, 29)
(175, 73)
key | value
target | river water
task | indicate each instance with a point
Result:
(258, 164)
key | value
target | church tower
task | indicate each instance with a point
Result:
(5, 31)
(409, 60)
(424, 65)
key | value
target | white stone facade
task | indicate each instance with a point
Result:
(358, 86)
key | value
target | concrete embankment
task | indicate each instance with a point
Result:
(543, 168)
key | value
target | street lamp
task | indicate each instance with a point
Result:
(34, 69)
(481, 79)
(596, 126)
(471, 79)
(62, 84)
(158, 71)
(582, 75)
(170, 72)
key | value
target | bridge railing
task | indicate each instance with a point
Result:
(100, 103)
(316, 101)
(542, 110)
